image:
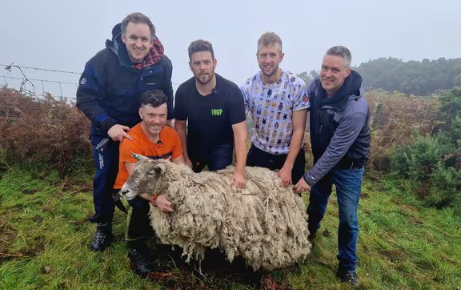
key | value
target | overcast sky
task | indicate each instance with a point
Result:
(63, 35)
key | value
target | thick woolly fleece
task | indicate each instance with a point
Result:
(264, 223)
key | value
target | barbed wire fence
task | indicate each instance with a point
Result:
(17, 77)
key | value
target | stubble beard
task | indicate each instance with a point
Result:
(208, 78)
(272, 73)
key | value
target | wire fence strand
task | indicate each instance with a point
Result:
(16, 78)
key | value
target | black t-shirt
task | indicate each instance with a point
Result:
(210, 118)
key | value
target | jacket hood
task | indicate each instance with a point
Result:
(114, 44)
(350, 88)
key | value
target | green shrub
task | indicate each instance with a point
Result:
(450, 104)
(446, 187)
(455, 130)
(434, 164)
(419, 159)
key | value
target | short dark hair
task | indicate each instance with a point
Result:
(200, 45)
(138, 17)
(155, 98)
(341, 51)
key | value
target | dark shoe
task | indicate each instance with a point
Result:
(349, 277)
(101, 238)
(312, 236)
(139, 260)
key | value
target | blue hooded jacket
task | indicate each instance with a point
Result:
(340, 134)
(110, 88)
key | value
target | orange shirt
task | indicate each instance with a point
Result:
(169, 146)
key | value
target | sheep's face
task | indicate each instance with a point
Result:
(143, 179)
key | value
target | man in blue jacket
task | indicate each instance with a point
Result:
(340, 138)
(109, 95)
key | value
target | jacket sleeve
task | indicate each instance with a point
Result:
(168, 88)
(89, 90)
(348, 129)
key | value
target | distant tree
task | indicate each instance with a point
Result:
(450, 104)
(457, 81)
(412, 77)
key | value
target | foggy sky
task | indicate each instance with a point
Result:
(63, 35)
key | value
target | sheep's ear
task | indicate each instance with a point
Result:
(160, 168)
(138, 156)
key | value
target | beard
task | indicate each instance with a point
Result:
(204, 78)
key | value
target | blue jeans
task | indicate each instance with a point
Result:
(105, 155)
(348, 183)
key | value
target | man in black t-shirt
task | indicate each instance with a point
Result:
(213, 111)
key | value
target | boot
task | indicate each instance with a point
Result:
(348, 276)
(139, 256)
(102, 237)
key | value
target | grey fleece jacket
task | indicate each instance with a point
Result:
(340, 134)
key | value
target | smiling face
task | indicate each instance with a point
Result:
(202, 65)
(333, 73)
(269, 57)
(153, 119)
(138, 41)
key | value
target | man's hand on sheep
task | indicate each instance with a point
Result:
(118, 132)
(188, 162)
(163, 203)
(238, 179)
(285, 176)
(302, 186)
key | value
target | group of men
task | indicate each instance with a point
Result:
(126, 92)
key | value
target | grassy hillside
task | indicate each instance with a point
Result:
(44, 236)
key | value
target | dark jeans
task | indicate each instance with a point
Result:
(105, 155)
(138, 219)
(258, 157)
(216, 158)
(348, 183)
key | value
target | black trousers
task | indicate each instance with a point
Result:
(258, 157)
(215, 158)
(138, 219)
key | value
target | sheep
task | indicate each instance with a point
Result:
(264, 223)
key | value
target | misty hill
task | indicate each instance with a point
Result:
(412, 77)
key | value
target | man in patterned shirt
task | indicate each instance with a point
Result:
(277, 101)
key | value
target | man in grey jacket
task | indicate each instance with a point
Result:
(340, 138)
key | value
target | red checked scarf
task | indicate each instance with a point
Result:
(154, 55)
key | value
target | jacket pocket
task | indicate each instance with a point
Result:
(153, 79)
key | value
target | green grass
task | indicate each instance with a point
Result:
(44, 237)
